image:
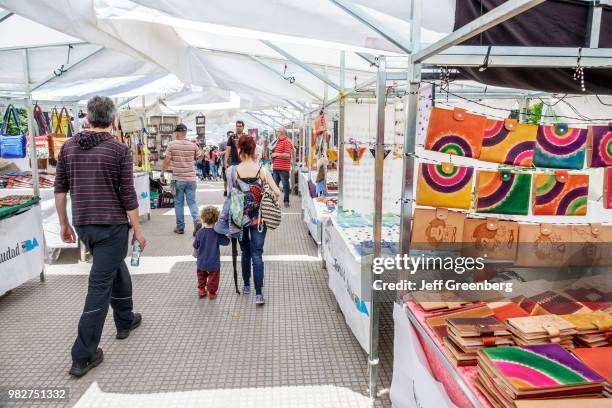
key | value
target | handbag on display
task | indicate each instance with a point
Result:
(12, 146)
(269, 209)
(445, 185)
(599, 146)
(130, 121)
(560, 194)
(42, 141)
(543, 245)
(320, 124)
(560, 147)
(61, 121)
(509, 142)
(438, 229)
(607, 188)
(59, 136)
(502, 192)
(496, 239)
(455, 132)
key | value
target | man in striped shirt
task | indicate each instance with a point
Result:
(97, 171)
(181, 155)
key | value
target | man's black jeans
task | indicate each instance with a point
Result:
(109, 283)
(283, 175)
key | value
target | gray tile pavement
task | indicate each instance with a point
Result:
(297, 339)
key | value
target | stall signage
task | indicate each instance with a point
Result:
(19, 249)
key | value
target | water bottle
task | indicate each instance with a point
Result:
(136, 254)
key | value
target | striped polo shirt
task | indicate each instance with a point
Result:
(282, 146)
(182, 155)
(97, 170)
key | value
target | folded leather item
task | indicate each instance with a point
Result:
(477, 326)
(552, 302)
(599, 360)
(438, 322)
(541, 329)
(506, 310)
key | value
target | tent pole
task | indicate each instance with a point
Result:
(31, 124)
(341, 119)
(381, 100)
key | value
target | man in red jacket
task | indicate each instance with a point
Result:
(281, 162)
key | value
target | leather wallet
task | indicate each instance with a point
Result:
(549, 327)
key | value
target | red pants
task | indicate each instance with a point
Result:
(208, 281)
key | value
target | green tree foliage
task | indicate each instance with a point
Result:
(12, 126)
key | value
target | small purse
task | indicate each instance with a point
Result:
(130, 121)
(591, 245)
(543, 245)
(445, 185)
(59, 136)
(503, 192)
(455, 132)
(599, 146)
(560, 147)
(509, 142)
(560, 194)
(491, 237)
(437, 230)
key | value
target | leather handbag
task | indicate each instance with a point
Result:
(599, 146)
(560, 193)
(560, 147)
(496, 239)
(444, 185)
(130, 121)
(455, 132)
(437, 230)
(509, 142)
(12, 146)
(543, 245)
(607, 188)
(59, 135)
(503, 192)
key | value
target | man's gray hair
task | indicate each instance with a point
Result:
(101, 111)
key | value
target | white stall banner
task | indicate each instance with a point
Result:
(344, 269)
(21, 249)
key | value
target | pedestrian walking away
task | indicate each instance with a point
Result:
(206, 245)
(180, 156)
(281, 163)
(249, 177)
(96, 170)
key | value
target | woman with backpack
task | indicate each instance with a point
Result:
(250, 178)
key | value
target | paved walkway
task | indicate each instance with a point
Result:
(295, 351)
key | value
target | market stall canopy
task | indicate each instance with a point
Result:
(554, 23)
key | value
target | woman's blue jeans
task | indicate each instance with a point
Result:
(251, 245)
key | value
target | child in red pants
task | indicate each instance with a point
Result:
(206, 245)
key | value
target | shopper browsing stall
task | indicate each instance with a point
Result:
(96, 170)
(249, 178)
(281, 162)
(232, 156)
(180, 156)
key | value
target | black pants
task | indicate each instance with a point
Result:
(109, 284)
(282, 175)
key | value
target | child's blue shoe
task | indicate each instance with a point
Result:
(246, 289)
(259, 300)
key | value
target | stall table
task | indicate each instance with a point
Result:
(21, 248)
(347, 252)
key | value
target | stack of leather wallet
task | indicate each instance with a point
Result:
(543, 329)
(594, 329)
(465, 336)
